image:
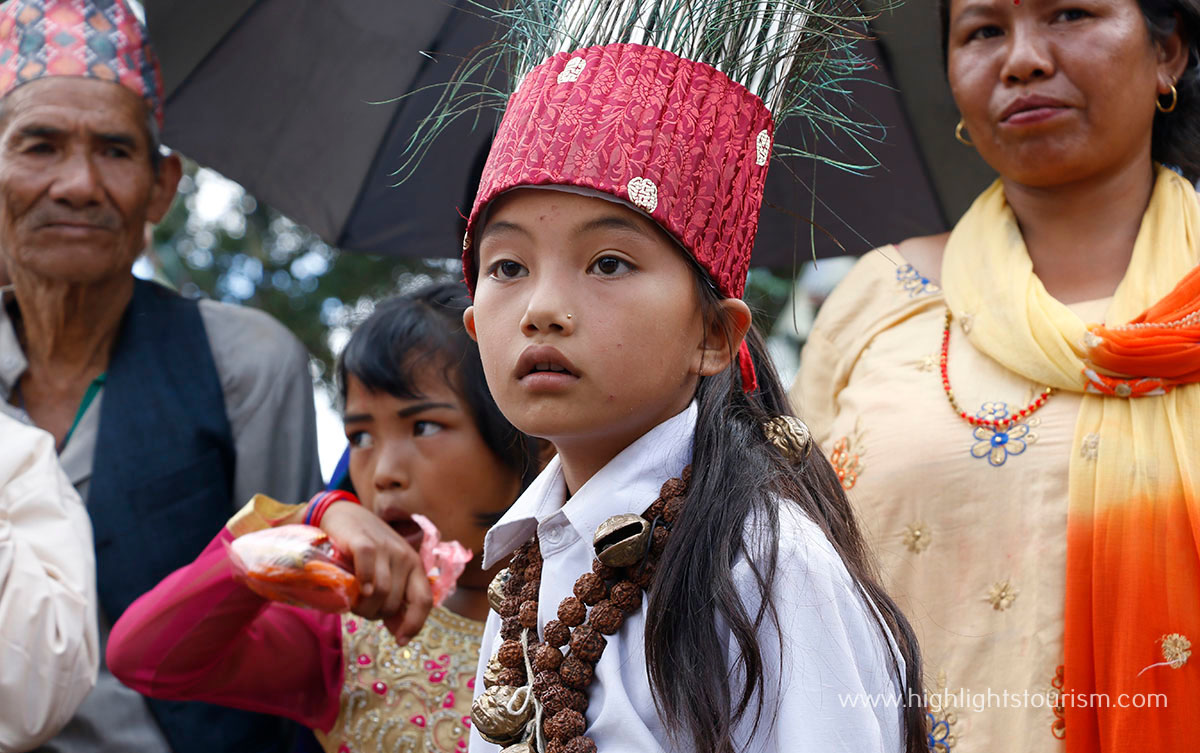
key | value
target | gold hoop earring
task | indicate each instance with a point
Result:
(958, 134)
(1174, 102)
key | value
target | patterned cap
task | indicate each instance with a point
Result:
(99, 39)
(677, 139)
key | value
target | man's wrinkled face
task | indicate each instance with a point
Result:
(77, 184)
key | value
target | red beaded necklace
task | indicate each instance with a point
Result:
(995, 424)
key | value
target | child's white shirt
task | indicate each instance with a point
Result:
(833, 687)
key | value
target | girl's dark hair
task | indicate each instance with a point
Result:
(1176, 136)
(739, 476)
(410, 332)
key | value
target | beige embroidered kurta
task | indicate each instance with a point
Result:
(410, 699)
(969, 528)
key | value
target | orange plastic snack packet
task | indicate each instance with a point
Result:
(295, 564)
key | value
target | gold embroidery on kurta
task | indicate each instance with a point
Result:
(1089, 449)
(416, 698)
(929, 362)
(1001, 595)
(917, 537)
(943, 719)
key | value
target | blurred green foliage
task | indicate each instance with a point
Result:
(253, 255)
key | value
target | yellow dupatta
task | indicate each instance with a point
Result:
(1133, 525)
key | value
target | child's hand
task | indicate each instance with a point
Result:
(393, 585)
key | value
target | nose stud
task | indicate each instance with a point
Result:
(570, 316)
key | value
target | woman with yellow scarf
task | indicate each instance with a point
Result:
(1014, 406)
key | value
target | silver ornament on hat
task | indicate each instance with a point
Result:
(621, 540)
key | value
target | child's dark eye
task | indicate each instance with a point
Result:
(426, 428)
(360, 440)
(610, 266)
(506, 270)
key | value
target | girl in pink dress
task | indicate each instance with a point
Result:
(425, 438)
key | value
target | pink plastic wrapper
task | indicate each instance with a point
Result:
(443, 561)
(298, 564)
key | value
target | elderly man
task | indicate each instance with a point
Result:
(167, 414)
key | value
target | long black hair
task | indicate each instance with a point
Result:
(1175, 139)
(739, 476)
(408, 333)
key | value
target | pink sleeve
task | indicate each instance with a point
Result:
(200, 635)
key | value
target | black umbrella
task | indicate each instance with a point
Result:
(296, 101)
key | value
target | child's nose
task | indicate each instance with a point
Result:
(391, 468)
(549, 310)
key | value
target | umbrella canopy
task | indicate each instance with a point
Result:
(912, 47)
(297, 101)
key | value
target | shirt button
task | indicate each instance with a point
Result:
(553, 534)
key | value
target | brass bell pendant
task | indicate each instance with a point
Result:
(491, 717)
(621, 540)
(496, 590)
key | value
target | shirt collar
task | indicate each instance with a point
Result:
(629, 483)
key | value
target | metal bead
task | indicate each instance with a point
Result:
(790, 435)
(496, 590)
(491, 717)
(621, 540)
(491, 674)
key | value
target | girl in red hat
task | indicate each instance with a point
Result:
(686, 574)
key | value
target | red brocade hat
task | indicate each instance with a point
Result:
(682, 135)
(99, 39)
(675, 138)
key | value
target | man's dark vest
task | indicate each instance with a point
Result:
(162, 487)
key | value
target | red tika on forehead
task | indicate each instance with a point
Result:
(675, 138)
(99, 39)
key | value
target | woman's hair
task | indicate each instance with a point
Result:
(409, 333)
(738, 477)
(1176, 137)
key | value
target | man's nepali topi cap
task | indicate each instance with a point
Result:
(100, 39)
(663, 126)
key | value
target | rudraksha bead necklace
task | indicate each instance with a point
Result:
(544, 682)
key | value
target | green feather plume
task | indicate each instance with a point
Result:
(798, 56)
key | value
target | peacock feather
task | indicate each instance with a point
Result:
(798, 56)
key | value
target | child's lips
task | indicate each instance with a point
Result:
(544, 364)
(548, 380)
